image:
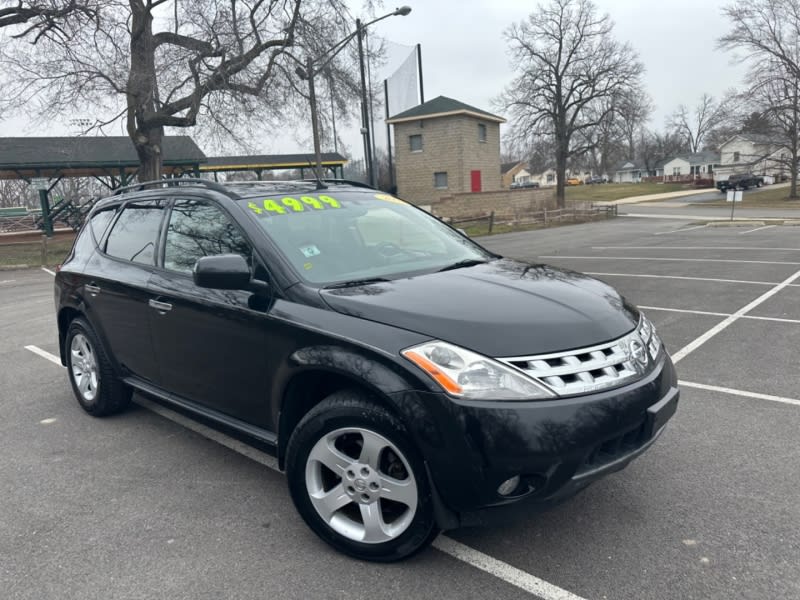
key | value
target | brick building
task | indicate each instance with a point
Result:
(444, 147)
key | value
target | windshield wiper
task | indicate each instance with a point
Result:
(467, 262)
(355, 283)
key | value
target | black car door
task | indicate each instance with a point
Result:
(115, 286)
(211, 344)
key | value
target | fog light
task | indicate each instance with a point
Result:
(508, 486)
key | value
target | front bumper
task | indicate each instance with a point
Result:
(557, 447)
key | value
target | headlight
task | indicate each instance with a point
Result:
(465, 374)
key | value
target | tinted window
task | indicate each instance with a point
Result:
(99, 222)
(198, 229)
(134, 235)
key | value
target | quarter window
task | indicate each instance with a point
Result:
(99, 222)
(415, 141)
(134, 235)
(440, 180)
(198, 229)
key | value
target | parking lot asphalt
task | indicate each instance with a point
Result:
(142, 506)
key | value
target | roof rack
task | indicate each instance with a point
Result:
(352, 182)
(177, 182)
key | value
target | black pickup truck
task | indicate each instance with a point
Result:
(740, 181)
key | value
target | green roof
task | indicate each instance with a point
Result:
(442, 106)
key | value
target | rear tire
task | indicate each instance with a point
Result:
(358, 481)
(97, 388)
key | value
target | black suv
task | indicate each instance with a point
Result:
(407, 379)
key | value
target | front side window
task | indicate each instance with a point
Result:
(336, 237)
(133, 237)
(198, 229)
(415, 141)
(440, 180)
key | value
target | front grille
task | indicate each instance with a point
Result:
(600, 367)
(615, 448)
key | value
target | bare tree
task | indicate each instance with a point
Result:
(655, 147)
(220, 62)
(777, 93)
(568, 63)
(768, 34)
(694, 125)
(634, 108)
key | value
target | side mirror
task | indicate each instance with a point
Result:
(222, 272)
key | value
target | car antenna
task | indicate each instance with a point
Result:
(320, 185)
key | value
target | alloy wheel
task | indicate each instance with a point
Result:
(361, 485)
(83, 364)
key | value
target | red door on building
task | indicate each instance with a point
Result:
(475, 177)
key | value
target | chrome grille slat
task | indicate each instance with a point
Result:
(594, 368)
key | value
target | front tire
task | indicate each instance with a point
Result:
(358, 481)
(97, 388)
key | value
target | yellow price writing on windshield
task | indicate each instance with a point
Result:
(289, 204)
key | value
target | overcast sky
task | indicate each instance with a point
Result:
(464, 53)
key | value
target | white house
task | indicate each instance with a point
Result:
(629, 171)
(752, 153)
(694, 166)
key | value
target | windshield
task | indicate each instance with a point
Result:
(331, 236)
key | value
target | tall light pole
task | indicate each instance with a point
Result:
(309, 70)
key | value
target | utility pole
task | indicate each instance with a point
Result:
(364, 110)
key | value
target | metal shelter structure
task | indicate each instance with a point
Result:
(44, 161)
(331, 161)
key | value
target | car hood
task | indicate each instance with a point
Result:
(503, 308)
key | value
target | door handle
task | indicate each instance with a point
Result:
(92, 289)
(161, 307)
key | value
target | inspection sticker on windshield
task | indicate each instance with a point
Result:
(309, 251)
(388, 198)
(289, 204)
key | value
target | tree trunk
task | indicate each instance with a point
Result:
(561, 175)
(142, 93)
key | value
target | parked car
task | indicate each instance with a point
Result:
(407, 379)
(740, 181)
(524, 184)
(595, 180)
(574, 181)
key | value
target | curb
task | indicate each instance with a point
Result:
(736, 224)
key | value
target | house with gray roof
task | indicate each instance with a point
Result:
(684, 167)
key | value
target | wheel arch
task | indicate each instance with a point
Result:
(320, 371)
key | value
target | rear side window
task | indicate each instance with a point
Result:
(99, 222)
(198, 229)
(133, 237)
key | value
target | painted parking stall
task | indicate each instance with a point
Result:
(708, 512)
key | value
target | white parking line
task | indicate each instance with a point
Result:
(756, 229)
(717, 314)
(49, 271)
(694, 345)
(702, 260)
(679, 230)
(7, 281)
(45, 354)
(497, 568)
(733, 392)
(502, 570)
(648, 276)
